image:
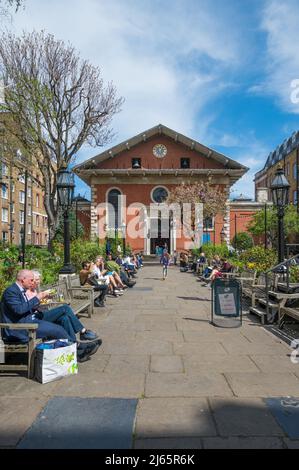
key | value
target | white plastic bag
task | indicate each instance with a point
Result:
(52, 364)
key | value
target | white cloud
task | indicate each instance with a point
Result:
(280, 22)
(166, 59)
(169, 59)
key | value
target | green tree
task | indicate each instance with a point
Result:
(291, 223)
(242, 241)
(60, 230)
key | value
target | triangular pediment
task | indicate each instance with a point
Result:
(212, 157)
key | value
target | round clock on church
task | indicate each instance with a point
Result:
(160, 150)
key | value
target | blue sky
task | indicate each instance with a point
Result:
(218, 71)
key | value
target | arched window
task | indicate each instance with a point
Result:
(114, 209)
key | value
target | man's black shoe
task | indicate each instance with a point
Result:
(131, 283)
(95, 346)
(83, 353)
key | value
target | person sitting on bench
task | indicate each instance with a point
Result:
(88, 279)
(19, 304)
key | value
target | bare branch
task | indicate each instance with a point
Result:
(57, 102)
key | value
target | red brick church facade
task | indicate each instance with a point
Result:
(141, 171)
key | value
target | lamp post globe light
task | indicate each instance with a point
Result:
(123, 230)
(65, 191)
(280, 195)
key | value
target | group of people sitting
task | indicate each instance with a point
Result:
(22, 303)
(111, 276)
(217, 269)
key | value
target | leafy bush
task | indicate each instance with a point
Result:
(242, 241)
(81, 250)
(294, 274)
(259, 259)
(210, 250)
(48, 264)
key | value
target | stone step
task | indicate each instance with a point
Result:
(260, 313)
(264, 302)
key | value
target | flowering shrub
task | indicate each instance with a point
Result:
(259, 259)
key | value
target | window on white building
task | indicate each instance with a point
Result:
(4, 236)
(29, 192)
(37, 221)
(22, 197)
(294, 171)
(22, 178)
(208, 223)
(4, 191)
(4, 169)
(4, 214)
(37, 200)
(21, 217)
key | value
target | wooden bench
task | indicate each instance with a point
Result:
(80, 299)
(248, 280)
(73, 283)
(24, 348)
(284, 310)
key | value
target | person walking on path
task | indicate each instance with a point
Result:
(165, 260)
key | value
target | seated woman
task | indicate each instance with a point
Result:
(62, 315)
(226, 267)
(87, 279)
(107, 276)
(216, 273)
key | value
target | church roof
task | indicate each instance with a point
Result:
(84, 169)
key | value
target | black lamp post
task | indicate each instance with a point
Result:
(222, 235)
(123, 229)
(280, 194)
(65, 191)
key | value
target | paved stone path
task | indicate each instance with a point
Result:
(197, 386)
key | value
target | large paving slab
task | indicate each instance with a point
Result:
(243, 417)
(167, 364)
(106, 384)
(205, 362)
(120, 364)
(269, 364)
(186, 385)
(181, 417)
(82, 423)
(16, 417)
(251, 384)
(203, 347)
(137, 347)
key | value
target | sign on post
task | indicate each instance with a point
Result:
(226, 300)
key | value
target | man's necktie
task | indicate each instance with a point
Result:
(26, 298)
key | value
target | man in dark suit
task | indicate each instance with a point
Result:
(16, 308)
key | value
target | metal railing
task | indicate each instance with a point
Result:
(284, 275)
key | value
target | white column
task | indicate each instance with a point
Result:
(93, 214)
(226, 225)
